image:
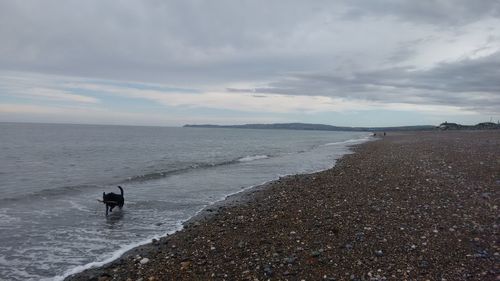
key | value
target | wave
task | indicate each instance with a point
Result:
(163, 174)
(350, 141)
(166, 173)
(252, 158)
(7, 219)
(41, 194)
(113, 256)
(62, 190)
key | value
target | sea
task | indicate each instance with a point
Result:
(52, 175)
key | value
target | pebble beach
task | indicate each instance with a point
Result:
(407, 206)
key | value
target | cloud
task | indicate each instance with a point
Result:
(36, 87)
(470, 84)
(58, 95)
(275, 103)
(441, 12)
(247, 100)
(196, 42)
(277, 56)
(15, 112)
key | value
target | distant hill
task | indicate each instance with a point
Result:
(317, 127)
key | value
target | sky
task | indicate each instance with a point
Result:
(170, 63)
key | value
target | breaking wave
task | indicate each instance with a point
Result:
(252, 158)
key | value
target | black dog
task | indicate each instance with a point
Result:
(112, 200)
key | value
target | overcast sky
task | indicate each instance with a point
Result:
(346, 62)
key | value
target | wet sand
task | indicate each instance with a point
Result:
(410, 206)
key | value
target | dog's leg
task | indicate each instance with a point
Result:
(106, 209)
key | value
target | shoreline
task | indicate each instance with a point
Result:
(242, 196)
(263, 232)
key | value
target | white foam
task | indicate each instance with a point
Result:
(252, 158)
(111, 257)
(351, 141)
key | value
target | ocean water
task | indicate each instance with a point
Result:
(51, 176)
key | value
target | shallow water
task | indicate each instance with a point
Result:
(51, 175)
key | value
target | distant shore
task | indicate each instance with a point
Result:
(314, 127)
(415, 206)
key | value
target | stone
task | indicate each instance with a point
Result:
(185, 265)
(423, 264)
(268, 271)
(360, 237)
(290, 260)
(144, 261)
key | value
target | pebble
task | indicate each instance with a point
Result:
(290, 260)
(423, 264)
(144, 261)
(268, 271)
(315, 254)
(185, 265)
(360, 236)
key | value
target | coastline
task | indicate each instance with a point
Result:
(242, 196)
(314, 226)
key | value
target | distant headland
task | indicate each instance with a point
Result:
(323, 127)
(316, 127)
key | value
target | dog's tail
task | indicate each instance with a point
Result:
(121, 190)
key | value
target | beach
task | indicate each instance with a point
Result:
(408, 206)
